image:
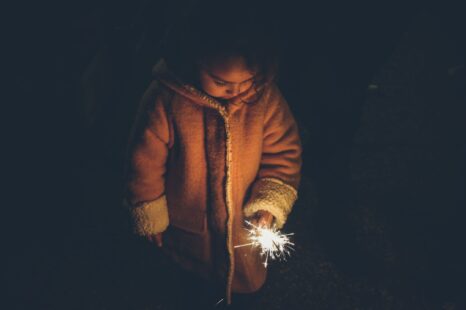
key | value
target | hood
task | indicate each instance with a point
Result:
(168, 78)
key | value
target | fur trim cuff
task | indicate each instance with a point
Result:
(274, 196)
(150, 217)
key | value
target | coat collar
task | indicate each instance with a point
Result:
(169, 79)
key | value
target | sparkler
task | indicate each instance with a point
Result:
(272, 243)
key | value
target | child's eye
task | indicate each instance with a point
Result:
(247, 82)
(220, 83)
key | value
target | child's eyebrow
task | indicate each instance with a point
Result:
(217, 78)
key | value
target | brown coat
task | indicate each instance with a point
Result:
(199, 167)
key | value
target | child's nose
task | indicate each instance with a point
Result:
(234, 90)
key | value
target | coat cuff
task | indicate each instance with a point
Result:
(274, 196)
(150, 217)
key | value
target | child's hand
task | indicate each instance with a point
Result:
(263, 218)
(157, 239)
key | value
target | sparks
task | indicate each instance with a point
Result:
(272, 243)
(218, 302)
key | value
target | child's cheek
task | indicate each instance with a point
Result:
(212, 89)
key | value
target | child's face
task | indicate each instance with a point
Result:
(226, 79)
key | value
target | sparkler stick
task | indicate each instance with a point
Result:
(272, 243)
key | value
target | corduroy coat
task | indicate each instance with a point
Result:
(199, 168)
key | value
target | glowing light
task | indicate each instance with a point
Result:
(218, 302)
(272, 243)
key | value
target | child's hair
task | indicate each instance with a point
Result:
(216, 30)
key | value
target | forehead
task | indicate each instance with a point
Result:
(232, 70)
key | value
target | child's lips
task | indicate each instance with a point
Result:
(232, 96)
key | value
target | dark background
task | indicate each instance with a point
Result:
(378, 90)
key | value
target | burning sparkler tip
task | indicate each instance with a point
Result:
(272, 243)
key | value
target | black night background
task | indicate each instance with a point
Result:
(378, 89)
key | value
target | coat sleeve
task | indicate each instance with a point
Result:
(148, 153)
(276, 185)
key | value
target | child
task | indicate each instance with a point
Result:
(215, 144)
